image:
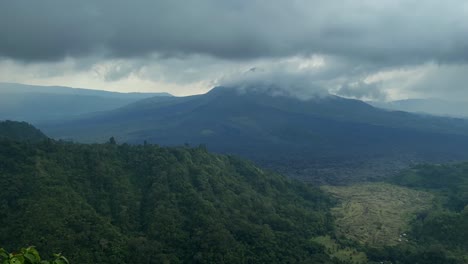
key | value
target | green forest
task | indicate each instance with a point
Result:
(20, 131)
(114, 203)
(120, 203)
(438, 234)
(443, 228)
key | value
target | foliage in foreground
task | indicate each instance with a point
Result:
(29, 255)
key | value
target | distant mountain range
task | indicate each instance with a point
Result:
(325, 136)
(44, 103)
(427, 106)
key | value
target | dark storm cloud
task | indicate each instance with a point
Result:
(381, 32)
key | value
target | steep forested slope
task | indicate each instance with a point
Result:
(20, 131)
(147, 204)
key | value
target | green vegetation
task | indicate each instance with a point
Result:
(113, 203)
(29, 256)
(399, 224)
(20, 131)
(450, 181)
(377, 214)
(446, 225)
(340, 252)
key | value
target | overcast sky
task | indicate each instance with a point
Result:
(367, 49)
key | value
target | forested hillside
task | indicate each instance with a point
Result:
(20, 131)
(114, 203)
(120, 203)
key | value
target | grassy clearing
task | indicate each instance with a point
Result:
(334, 250)
(377, 214)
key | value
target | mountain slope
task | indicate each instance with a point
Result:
(20, 131)
(428, 106)
(282, 132)
(146, 204)
(42, 103)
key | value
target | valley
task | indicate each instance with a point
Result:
(377, 214)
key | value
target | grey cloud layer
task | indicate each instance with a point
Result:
(384, 32)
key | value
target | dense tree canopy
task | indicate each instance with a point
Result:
(147, 204)
(111, 203)
(20, 131)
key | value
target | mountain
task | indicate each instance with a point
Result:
(44, 103)
(427, 106)
(20, 131)
(326, 137)
(114, 203)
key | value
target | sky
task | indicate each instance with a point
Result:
(371, 50)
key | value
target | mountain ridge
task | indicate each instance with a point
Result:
(47, 103)
(273, 129)
(428, 106)
(57, 89)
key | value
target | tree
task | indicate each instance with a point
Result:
(112, 141)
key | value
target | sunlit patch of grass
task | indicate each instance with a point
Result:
(377, 214)
(334, 250)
